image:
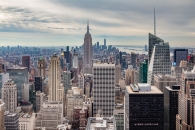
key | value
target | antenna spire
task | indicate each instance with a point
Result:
(88, 26)
(154, 22)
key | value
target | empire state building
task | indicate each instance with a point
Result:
(88, 53)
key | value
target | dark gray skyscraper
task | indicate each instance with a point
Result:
(88, 54)
(180, 54)
(144, 107)
(105, 43)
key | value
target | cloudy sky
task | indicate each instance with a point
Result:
(121, 22)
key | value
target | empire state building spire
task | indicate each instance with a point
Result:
(88, 54)
(88, 26)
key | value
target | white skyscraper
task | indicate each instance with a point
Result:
(88, 52)
(9, 95)
(159, 62)
(56, 89)
(104, 88)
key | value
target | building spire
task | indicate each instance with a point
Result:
(88, 26)
(154, 23)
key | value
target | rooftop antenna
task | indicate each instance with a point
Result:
(154, 23)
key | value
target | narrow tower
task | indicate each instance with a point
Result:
(88, 54)
(154, 22)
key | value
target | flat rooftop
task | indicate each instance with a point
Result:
(103, 65)
(154, 90)
(101, 123)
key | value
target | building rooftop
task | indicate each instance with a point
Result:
(142, 89)
(101, 123)
(103, 65)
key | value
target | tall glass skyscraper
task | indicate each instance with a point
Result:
(159, 58)
(143, 71)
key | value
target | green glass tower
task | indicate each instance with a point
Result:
(143, 71)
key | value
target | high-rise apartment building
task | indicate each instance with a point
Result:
(185, 116)
(159, 61)
(9, 95)
(26, 62)
(143, 71)
(66, 80)
(179, 55)
(161, 81)
(56, 89)
(88, 53)
(117, 73)
(104, 42)
(104, 88)
(20, 76)
(41, 68)
(2, 110)
(144, 107)
(170, 107)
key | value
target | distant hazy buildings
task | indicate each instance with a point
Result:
(159, 60)
(26, 62)
(88, 54)
(56, 90)
(104, 88)
(179, 55)
(144, 107)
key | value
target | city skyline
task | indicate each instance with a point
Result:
(61, 23)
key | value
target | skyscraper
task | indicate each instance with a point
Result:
(38, 84)
(170, 107)
(186, 102)
(143, 71)
(117, 73)
(26, 62)
(153, 40)
(104, 42)
(56, 90)
(9, 95)
(179, 55)
(104, 88)
(20, 76)
(144, 107)
(159, 61)
(41, 67)
(66, 80)
(88, 54)
(133, 59)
